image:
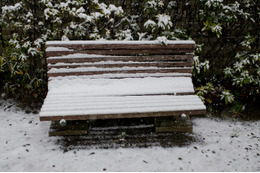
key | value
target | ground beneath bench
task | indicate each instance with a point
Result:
(215, 145)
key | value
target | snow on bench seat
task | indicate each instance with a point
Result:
(105, 107)
(127, 86)
(119, 79)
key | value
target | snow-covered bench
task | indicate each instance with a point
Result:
(119, 79)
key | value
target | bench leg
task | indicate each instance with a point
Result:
(71, 128)
(173, 124)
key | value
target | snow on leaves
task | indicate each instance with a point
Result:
(164, 21)
(227, 96)
(156, 20)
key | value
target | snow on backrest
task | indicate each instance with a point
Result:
(119, 57)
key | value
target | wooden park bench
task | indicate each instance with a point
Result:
(90, 80)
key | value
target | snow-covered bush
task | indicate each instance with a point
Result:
(31, 23)
(232, 49)
(244, 73)
(227, 96)
(22, 53)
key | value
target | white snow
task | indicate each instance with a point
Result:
(127, 86)
(127, 75)
(9, 8)
(164, 21)
(78, 55)
(98, 63)
(25, 146)
(81, 96)
(117, 10)
(81, 104)
(79, 64)
(57, 49)
(126, 68)
(118, 42)
(149, 23)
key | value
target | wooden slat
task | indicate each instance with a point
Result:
(126, 115)
(57, 101)
(53, 60)
(124, 46)
(130, 64)
(122, 52)
(173, 124)
(133, 75)
(80, 100)
(78, 73)
(72, 128)
(53, 108)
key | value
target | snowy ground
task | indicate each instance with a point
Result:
(227, 146)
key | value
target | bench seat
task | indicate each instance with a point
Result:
(81, 107)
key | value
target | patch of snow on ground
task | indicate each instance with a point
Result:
(227, 146)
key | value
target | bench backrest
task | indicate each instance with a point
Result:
(119, 59)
